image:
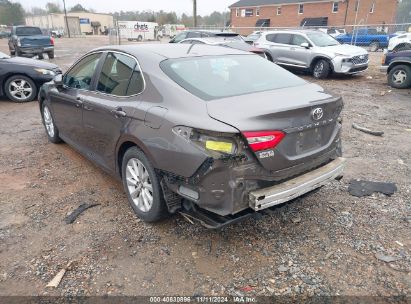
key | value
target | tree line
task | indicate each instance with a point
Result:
(12, 13)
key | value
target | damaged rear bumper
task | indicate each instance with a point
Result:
(286, 191)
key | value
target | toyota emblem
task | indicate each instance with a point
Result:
(317, 113)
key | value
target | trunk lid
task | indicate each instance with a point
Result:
(294, 111)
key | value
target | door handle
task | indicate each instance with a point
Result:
(118, 112)
(79, 102)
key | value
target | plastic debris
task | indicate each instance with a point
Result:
(360, 188)
(366, 130)
(72, 216)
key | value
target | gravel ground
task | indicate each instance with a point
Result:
(325, 243)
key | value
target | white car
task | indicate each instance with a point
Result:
(401, 42)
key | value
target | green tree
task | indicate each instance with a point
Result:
(11, 13)
(53, 7)
(78, 8)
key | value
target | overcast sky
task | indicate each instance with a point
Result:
(204, 7)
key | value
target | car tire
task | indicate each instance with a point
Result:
(140, 38)
(40, 56)
(20, 88)
(399, 77)
(269, 57)
(374, 46)
(48, 122)
(321, 69)
(12, 53)
(50, 54)
(142, 186)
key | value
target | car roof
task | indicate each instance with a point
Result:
(302, 31)
(172, 50)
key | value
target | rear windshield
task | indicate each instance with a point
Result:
(213, 77)
(28, 31)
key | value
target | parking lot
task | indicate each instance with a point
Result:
(324, 243)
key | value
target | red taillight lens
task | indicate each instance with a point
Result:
(262, 140)
(52, 41)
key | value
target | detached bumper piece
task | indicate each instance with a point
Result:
(211, 220)
(286, 191)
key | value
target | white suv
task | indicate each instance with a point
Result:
(313, 51)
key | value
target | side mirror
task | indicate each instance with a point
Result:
(58, 80)
(305, 45)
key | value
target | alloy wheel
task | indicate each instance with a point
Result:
(48, 121)
(139, 185)
(20, 89)
(399, 77)
(319, 67)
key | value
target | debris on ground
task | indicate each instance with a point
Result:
(55, 282)
(386, 258)
(366, 130)
(360, 188)
(72, 216)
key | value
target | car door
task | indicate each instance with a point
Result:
(109, 109)
(67, 100)
(298, 54)
(281, 48)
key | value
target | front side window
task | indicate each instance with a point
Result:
(116, 73)
(180, 37)
(298, 40)
(301, 8)
(81, 75)
(194, 35)
(335, 7)
(214, 77)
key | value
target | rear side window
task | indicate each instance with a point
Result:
(283, 38)
(116, 74)
(271, 37)
(81, 75)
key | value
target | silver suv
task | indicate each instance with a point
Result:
(314, 51)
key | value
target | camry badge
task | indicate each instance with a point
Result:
(317, 113)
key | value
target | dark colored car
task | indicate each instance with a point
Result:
(203, 34)
(213, 132)
(30, 41)
(397, 65)
(226, 42)
(20, 78)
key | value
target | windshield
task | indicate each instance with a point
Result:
(322, 39)
(4, 56)
(213, 77)
(28, 31)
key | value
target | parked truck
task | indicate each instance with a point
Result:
(172, 30)
(139, 30)
(30, 41)
(366, 37)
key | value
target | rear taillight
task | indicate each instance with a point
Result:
(52, 41)
(263, 140)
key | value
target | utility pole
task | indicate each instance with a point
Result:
(65, 17)
(195, 13)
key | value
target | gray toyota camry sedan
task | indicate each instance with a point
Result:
(214, 133)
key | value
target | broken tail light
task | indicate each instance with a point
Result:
(263, 140)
